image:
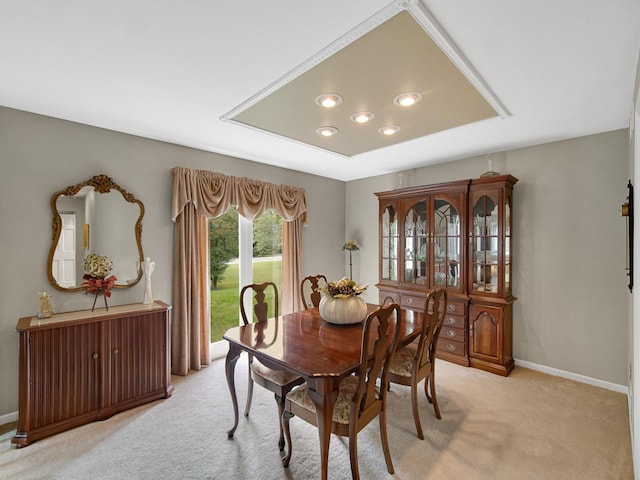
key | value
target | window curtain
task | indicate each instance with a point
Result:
(199, 195)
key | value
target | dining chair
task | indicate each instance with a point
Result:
(416, 361)
(277, 381)
(360, 399)
(310, 289)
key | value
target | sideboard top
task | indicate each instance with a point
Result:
(33, 322)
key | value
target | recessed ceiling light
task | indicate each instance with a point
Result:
(329, 100)
(327, 131)
(389, 129)
(362, 117)
(407, 99)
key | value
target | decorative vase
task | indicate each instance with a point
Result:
(343, 311)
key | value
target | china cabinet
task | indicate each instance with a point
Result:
(82, 366)
(455, 235)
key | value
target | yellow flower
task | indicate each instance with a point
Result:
(350, 245)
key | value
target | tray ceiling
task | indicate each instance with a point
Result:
(395, 57)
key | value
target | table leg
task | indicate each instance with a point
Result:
(324, 411)
(230, 368)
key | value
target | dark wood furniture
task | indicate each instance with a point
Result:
(361, 399)
(82, 366)
(321, 353)
(416, 361)
(456, 235)
(278, 381)
(310, 290)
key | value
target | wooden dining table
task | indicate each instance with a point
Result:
(305, 344)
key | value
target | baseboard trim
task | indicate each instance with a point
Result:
(8, 418)
(574, 376)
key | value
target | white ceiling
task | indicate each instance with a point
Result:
(170, 70)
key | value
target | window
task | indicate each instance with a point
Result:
(241, 252)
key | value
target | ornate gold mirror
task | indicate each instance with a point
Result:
(97, 216)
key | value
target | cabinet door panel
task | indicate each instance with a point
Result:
(137, 349)
(416, 246)
(389, 244)
(447, 243)
(486, 332)
(65, 366)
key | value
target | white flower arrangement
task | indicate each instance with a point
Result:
(97, 266)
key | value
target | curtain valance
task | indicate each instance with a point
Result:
(213, 193)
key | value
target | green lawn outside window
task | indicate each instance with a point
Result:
(225, 307)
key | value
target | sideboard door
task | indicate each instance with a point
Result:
(58, 380)
(137, 367)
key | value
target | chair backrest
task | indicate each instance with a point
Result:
(380, 337)
(259, 292)
(435, 308)
(310, 289)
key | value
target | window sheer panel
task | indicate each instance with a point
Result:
(205, 293)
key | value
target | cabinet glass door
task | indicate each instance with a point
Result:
(446, 244)
(389, 262)
(485, 244)
(507, 246)
(416, 251)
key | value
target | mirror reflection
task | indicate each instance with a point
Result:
(96, 216)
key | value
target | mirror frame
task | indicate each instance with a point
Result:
(101, 184)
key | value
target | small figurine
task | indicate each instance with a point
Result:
(46, 310)
(148, 267)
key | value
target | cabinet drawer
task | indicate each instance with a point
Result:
(388, 297)
(451, 346)
(412, 302)
(450, 333)
(455, 321)
(455, 308)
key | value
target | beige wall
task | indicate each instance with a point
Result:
(41, 155)
(572, 309)
(569, 254)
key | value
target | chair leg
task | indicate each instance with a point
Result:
(280, 402)
(385, 440)
(249, 394)
(430, 384)
(286, 416)
(416, 412)
(353, 452)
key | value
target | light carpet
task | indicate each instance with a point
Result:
(526, 426)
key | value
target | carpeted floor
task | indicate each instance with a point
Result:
(527, 426)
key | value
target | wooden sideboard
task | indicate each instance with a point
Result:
(83, 366)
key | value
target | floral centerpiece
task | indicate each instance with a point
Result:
(97, 267)
(341, 303)
(344, 288)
